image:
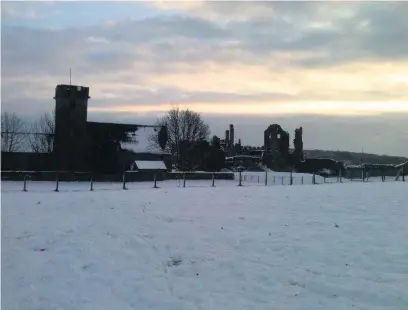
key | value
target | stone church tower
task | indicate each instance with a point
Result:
(71, 107)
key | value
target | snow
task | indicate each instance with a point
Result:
(228, 247)
(142, 142)
(150, 164)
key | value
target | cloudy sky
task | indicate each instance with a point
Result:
(340, 70)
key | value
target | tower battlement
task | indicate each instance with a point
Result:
(71, 91)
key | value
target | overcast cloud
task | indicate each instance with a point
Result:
(340, 70)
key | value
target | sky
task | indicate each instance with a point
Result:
(338, 69)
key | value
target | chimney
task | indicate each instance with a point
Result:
(231, 139)
(227, 138)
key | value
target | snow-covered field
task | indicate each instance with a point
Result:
(337, 246)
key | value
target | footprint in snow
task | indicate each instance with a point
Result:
(40, 249)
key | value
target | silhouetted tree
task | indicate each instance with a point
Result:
(182, 125)
(216, 142)
(163, 137)
(214, 160)
(200, 155)
(42, 131)
(192, 154)
(12, 132)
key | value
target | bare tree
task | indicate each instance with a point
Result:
(182, 125)
(12, 132)
(42, 134)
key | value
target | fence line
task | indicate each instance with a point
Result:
(241, 179)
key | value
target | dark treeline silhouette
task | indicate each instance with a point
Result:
(200, 155)
(20, 136)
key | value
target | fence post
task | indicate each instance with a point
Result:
(324, 178)
(91, 189)
(25, 183)
(57, 183)
(403, 175)
(282, 180)
(291, 178)
(184, 180)
(124, 181)
(302, 179)
(266, 178)
(362, 174)
(240, 179)
(314, 178)
(340, 176)
(155, 180)
(274, 177)
(258, 178)
(213, 180)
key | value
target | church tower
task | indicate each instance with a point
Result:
(71, 107)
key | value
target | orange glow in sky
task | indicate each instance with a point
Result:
(253, 108)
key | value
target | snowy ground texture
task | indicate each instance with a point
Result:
(333, 246)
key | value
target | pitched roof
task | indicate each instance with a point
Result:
(150, 165)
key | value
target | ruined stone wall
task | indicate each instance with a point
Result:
(271, 137)
(231, 138)
(298, 144)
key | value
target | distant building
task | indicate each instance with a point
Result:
(228, 143)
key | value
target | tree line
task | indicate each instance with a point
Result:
(18, 135)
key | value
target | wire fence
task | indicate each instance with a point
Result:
(84, 181)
